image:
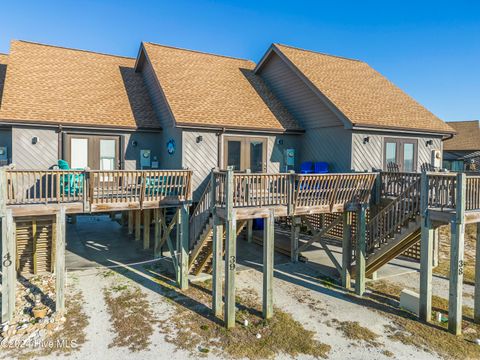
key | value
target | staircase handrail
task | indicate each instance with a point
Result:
(387, 221)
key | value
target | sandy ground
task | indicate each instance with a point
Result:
(298, 291)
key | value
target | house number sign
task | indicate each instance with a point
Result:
(7, 260)
(231, 263)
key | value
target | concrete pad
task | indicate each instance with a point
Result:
(410, 301)
(97, 241)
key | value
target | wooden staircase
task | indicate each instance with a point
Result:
(394, 229)
(201, 258)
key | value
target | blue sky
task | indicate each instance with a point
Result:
(429, 49)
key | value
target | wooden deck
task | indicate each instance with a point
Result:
(256, 195)
(30, 192)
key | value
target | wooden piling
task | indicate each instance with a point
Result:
(347, 250)
(146, 229)
(426, 253)
(295, 236)
(138, 224)
(361, 251)
(60, 271)
(9, 275)
(130, 222)
(456, 260)
(157, 251)
(250, 230)
(476, 307)
(268, 258)
(217, 265)
(183, 241)
(230, 253)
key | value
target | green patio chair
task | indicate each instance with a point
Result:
(70, 184)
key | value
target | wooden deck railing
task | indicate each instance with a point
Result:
(201, 213)
(295, 190)
(395, 183)
(396, 214)
(29, 187)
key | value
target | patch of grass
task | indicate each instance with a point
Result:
(354, 331)
(131, 317)
(193, 328)
(432, 337)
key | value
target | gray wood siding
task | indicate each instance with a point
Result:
(156, 95)
(200, 157)
(307, 108)
(6, 140)
(332, 145)
(42, 155)
(370, 155)
(145, 141)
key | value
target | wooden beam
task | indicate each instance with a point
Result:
(347, 250)
(146, 229)
(138, 224)
(426, 261)
(456, 260)
(9, 275)
(361, 252)
(230, 253)
(183, 241)
(476, 307)
(157, 248)
(250, 230)
(295, 236)
(60, 274)
(318, 237)
(217, 266)
(268, 258)
(35, 239)
(130, 222)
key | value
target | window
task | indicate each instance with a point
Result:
(400, 154)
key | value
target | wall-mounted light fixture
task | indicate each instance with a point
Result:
(34, 140)
(199, 139)
(429, 142)
(366, 139)
(280, 142)
(134, 143)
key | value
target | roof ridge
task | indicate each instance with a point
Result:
(461, 121)
(198, 51)
(81, 50)
(319, 53)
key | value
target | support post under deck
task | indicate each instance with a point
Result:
(250, 230)
(146, 229)
(60, 271)
(157, 251)
(130, 222)
(138, 224)
(9, 275)
(347, 250)
(426, 253)
(268, 258)
(182, 246)
(361, 251)
(230, 253)
(295, 235)
(456, 260)
(217, 265)
(476, 307)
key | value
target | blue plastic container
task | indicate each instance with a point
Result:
(320, 167)
(257, 224)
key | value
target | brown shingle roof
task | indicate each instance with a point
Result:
(467, 137)
(3, 72)
(362, 94)
(211, 90)
(51, 84)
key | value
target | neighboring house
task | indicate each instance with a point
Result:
(200, 111)
(462, 152)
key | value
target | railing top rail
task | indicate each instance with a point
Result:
(96, 171)
(337, 174)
